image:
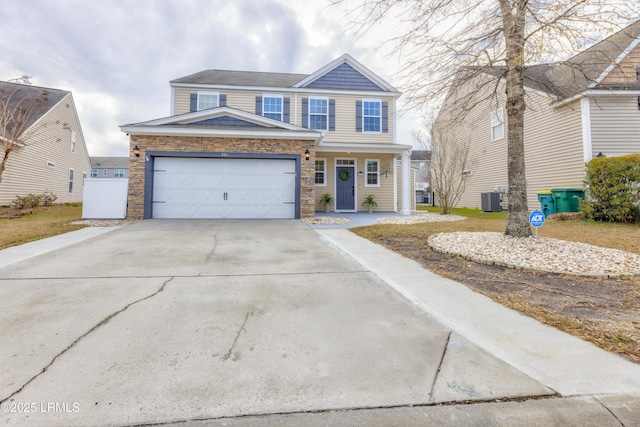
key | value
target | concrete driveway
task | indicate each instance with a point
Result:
(176, 321)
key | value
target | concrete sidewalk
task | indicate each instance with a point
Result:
(19, 253)
(560, 361)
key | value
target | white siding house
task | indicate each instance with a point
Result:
(570, 118)
(54, 156)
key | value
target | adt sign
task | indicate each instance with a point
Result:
(536, 218)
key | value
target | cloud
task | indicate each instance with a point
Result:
(118, 56)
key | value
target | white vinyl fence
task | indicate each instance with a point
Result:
(105, 198)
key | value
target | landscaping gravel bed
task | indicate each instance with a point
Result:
(330, 220)
(419, 217)
(541, 253)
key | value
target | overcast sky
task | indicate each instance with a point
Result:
(118, 56)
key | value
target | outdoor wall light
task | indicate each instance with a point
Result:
(136, 151)
(360, 173)
(306, 155)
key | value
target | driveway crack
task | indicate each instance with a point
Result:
(435, 379)
(213, 250)
(77, 340)
(610, 411)
(235, 341)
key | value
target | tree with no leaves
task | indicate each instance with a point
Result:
(19, 112)
(450, 163)
(446, 44)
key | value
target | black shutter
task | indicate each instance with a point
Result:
(193, 102)
(305, 113)
(285, 110)
(259, 105)
(223, 101)
(358, 116)
(332, 114)
(385, 117)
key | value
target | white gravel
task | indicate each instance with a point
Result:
(419, 217)
(542, 253)
(330, 220)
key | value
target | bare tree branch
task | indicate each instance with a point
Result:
(461, 50)
(18, 114)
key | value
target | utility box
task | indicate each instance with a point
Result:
(546, 202)
(567, 199)
(491, 202)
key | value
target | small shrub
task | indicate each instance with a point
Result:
(613, 189)
(31, 201)
(48, 198)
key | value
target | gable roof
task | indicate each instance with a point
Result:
(589, 68)
(344, 73)
(222, 121)
(109, 162)
(27, 96)
(586, 70)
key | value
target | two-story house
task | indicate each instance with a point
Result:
(586, 106)
(244, 144)
(50, 154)
(109, 167)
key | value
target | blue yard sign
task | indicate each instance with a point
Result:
(536, 218)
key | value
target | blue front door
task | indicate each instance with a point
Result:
(345, 189)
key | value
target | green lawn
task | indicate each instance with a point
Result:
(42, 223)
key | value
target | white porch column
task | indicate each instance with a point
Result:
(406, 184)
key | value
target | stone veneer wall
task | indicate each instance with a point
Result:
(135, 209)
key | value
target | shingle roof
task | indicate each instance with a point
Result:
(344, 73)
(420, 155)
(575, 75)
(241, 78)
(578, 73)
(27, 96)
(109, 162)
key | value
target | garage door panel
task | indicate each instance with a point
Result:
(223, 188)
(200, 195)
(282, 181)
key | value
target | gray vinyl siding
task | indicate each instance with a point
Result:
(553, 149)
(383, 193)
(27, 171)
(615, 125)
(110, 173)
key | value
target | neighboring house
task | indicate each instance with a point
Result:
(245, 144)
(54, 157)
(587, 105)
(109, 167)
(421, 163)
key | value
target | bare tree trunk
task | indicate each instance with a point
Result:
(513, 15)
(3, 165)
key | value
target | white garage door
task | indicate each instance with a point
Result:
(223, 188)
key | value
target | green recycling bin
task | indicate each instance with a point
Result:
(567, 199)
(546, 202)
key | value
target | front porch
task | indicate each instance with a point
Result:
(350, 173)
